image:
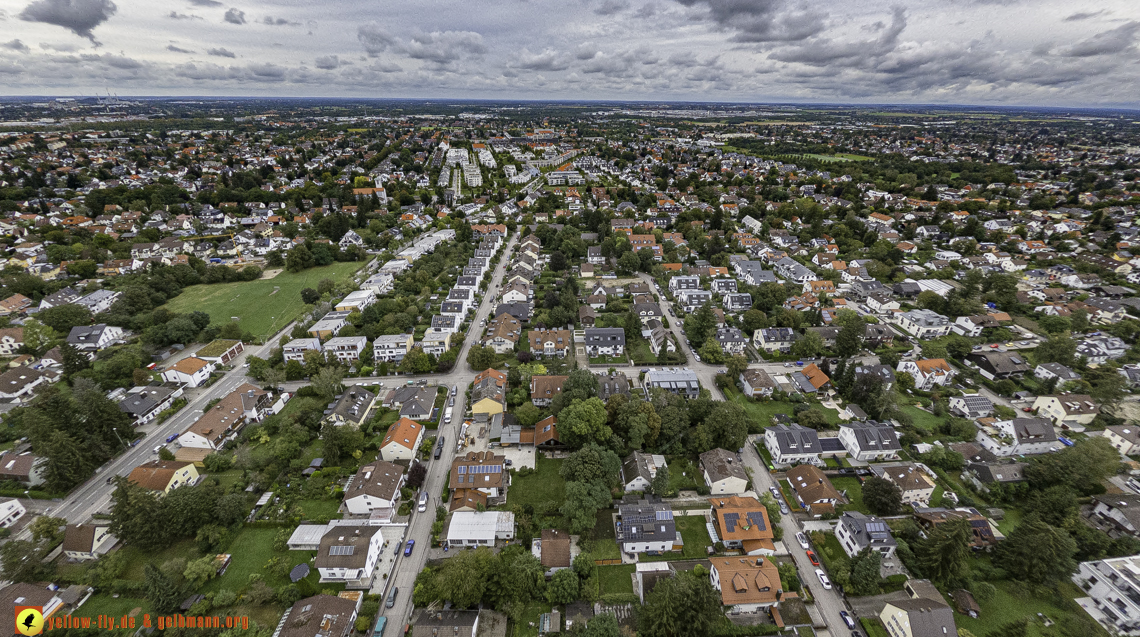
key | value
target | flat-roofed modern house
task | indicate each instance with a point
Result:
(681, 381)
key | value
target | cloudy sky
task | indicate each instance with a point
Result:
(1027, 52)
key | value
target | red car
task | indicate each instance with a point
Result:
(811, 556)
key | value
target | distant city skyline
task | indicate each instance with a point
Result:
(975, 52)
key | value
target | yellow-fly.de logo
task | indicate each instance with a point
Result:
(29, 620)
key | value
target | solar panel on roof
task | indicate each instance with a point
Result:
(462, 469)
(664, 515)
(730, 522)
(341, 550)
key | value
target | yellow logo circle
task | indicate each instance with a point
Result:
(30, 622)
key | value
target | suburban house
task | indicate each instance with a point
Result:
(164, 475)
(1000, 365)
(1046, 371)
(346, 349)
(869, 441)
(921, 617)
(295, 349)
(972, 406)
(981, 532)
(415, 403)
(1112, 592)
(1125, 438)
(745, 585)
(857, 531)
(682, 381)
(605, 341)
(550, 342)
(1067, 410)
(543, 389)
(348, 555)
(915, 486)
(24, 468)
(480, 528)
(503, 333)
(756, 382)
(774, 339)
(488, 393)
(356, 301)
(324, 615)
(480, 474)
(1019, 437)
(144, 404)
(723, 472)
(225, 419)
(376, 485)
(742, 525)
(639, 469)
(553, 550)
(220, 351)
(92, 338)
(924, 325)
(792, 444)
(87, 541)
(436, 341)
(189, 372)
(402, 440)
(392, 349)
(928, 372)
(351, 408)
(645, 527)
(813, 490)
(11, 339)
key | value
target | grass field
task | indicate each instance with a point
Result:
(320, 509)
(616, 579)
(104, 604)
(854, 493)
(1015, 601)
(543, 486)
(695, 536)
(530, 615)
(264, 305)
(762, 413)
(924, 420)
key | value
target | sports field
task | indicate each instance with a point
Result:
(263, 306)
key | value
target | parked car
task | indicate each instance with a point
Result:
(451, 401)
(823, 578)
(422, 502)
(408, 548)
(392, 597)
(812, 558)
(847, 619)
(172, 438)
(802, 539)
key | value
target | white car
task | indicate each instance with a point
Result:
(823, 578)
(423, 503)
(802, 539)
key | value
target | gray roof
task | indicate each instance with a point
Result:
(682, 378)
(604, 336)
(999, 471)
(721, 464)
(645, 521)
(1034, 430)
(1060, 371)
(795, 438)
(882, 371)
(867, 529)
(975, 403)
(874, 436)
(142, 402)
(928, 617)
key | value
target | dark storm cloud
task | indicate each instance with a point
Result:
(16, 45)
(444, 47)
(220, 52)
(1106, 43)
(79, 16)
(235, 16)
(174, 49)
(759, 21)
(822, 51)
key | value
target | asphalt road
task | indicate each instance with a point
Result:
(95, 494)
(419, 527)
(828, 602)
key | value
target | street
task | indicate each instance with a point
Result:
(828, 602)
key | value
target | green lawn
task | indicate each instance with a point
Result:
(616, 579)
(696, 538)
(829, 550)
(683, 474)
(924, 420)
(530, 615)
(539, 488)
(789, 495)
(1015, 601)
(640, 353)
(264, 305)
(104, 604)
(137, 559)
(320, 509)
(250, 551)
(761, 413)
(854, 493)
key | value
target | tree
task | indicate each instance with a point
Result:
(660, 485)
(581, 384)
(603, 625)
(1058, 348)
(1082, 467)
(558, 261)
(584, 421)
(417, 473)
(727, 425)
(136, 516)
(340, 442)
(736, 366)
(629, 263)
(162, 591)
(74, 361)
(711, 352)
(23, 561)
(480, 358)
(37, 336)
(64, 317)
(310, 296)
(958, 346)
(48, 530)
(581, 503)
(592, 463)
(327, 382)
(200, 571)
(945, 554)
(881, 496)
(809, 345)
(417, 362)
(1037, 552)
(865, 572)
(563, 587)
(699, 325)
(683, 606)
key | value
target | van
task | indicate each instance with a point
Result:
(392, 598)
(157, 449)
(447, 416)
